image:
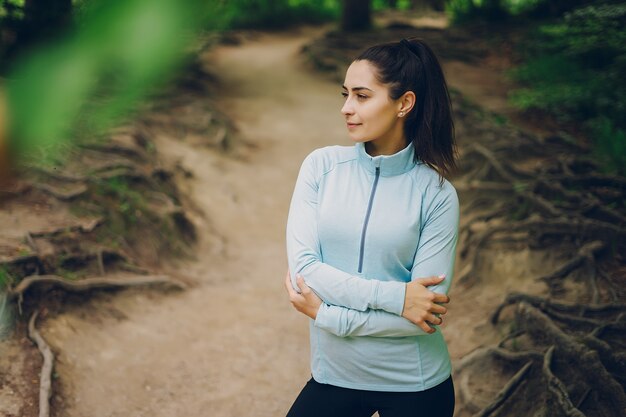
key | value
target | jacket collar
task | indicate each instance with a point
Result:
(390, 165)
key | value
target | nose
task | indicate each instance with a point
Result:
(347, 109)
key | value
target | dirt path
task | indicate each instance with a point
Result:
(230, 346)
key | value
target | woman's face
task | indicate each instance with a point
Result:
(371, 115)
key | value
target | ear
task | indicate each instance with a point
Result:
(406, 102)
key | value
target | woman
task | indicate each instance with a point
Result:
(365, 223)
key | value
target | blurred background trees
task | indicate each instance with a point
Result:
(572, 55)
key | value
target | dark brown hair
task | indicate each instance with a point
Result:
(410, 65)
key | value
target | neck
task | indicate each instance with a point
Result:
(389, 148)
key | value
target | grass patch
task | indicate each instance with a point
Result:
(6, 280)
(574, 70)
(521, 211)
(262, 14)
(609, 145)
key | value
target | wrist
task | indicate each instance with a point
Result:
(323, 318)
(390, 297)
(406, 284)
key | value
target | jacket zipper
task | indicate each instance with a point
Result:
(367, 218)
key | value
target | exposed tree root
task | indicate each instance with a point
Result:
(125, 174)
(38, 263)
(574, 310)
(480, 354)
(85, 227)
(557, 390)
(590, 358)
(476, 185)
(545, 209)
(63, 195)
(592, 180)
(116, 148)
(56, 174)
(477, 242)
(112, 165)
(45, 379)
(31, 242)
(585, 256)
(588, 361)
(558, 221)
(507, 391)
(92, 283)
(89, 283)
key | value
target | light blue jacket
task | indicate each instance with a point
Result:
(360, 228)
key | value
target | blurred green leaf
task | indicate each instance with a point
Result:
(121, 51)
(575, 70)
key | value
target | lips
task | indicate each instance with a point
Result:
(353, 125)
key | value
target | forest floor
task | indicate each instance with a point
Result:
(231, 345)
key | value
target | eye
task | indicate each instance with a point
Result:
(343, 93)
(361, 96)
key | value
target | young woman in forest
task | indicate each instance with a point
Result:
(371, 239)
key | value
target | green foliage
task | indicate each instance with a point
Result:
(609, 145)
(277, 13)
(131, 219)
(575, 70)
(6, 315)
(522, 209)
(131, 207)
(11, 8)
(461, 11)
(557, 85)
(70, 275)
(5, 279)
(121, 50)
(500, 119)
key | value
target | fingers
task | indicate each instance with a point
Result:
(437, 309)
(427, 321)
(441, 298)
(290, 290)
(295, 298)
(288, 286)
(432, 319)
(424, 326)
(304, 289)
(430, 280)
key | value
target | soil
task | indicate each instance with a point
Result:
(232, 345)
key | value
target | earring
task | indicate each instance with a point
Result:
(401, 114)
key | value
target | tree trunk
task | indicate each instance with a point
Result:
(437, 5)
(356, 15)
(46, 17)
(4, 150)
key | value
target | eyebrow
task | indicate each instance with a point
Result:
(358, 88)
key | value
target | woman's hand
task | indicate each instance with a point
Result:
(306, 302)
(422, 306)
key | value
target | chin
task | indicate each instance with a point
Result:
(357, 139)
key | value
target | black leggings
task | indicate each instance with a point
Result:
(323, 400)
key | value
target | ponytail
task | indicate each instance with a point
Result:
(410, 65)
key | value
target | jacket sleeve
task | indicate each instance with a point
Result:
(344, 322)
(435, 255)
(334, 286)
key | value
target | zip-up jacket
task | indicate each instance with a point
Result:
(360, 228)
